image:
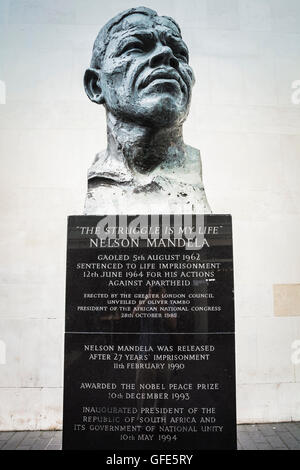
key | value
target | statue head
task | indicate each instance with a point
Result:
(139, 69)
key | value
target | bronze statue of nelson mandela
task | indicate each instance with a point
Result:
(140, 72)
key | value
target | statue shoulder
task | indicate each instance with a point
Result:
(192, 154)
(98, 164)
(100, 156)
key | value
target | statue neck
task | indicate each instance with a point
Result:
(141, 148)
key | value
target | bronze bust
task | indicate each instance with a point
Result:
(140, 72)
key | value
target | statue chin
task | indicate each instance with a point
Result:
(153, 113)
(165, 112)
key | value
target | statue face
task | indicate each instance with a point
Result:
(145, 77)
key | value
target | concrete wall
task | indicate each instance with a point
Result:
(246, 56)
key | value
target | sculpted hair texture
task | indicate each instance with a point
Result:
(106, 32)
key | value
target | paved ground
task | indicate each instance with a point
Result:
(280, 436)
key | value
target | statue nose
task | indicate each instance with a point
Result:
(163, 55)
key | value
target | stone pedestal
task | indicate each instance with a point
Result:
(149, 342)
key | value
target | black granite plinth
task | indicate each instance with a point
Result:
(149, 343)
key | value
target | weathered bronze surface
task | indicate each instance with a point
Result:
(140, 72)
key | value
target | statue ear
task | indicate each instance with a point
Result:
(92, 85)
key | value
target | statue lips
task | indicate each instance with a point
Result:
(162, 74)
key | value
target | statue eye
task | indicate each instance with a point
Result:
(133, 46)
